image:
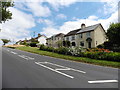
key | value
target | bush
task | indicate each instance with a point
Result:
(43, 47)
(27, 44)
(95, 53)
(51, 49)
(33, 44)
(100, 46)
(63, 50)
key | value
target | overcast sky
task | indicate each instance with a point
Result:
(50, 17)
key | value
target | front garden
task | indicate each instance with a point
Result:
(95, 53)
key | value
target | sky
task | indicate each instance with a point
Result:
(49, 17)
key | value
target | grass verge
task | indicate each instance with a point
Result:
(80, 59)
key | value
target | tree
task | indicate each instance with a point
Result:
(113, 34)
(34, 40)
(5, 14)
(5, 41)
(59, 43)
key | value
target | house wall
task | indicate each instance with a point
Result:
(54, 42)
(70, 39)
(100, 36)
(83, 39)
(42, 40)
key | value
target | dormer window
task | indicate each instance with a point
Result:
(88, 34)
(67, 38)
(81, 35)
(73, 37)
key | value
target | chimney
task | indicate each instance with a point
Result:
(82, 26)
(39, 35)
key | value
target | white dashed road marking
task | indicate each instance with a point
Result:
(26, 57)
(103, 81)
(13, 52)
(8, 50)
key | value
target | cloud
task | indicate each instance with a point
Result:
(56, 4)
(61, 16)
(46, 21)
(76, 24)
(110, 6)
(18, 27)
(36, 8)
(92, 17)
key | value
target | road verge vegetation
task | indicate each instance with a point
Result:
(65, 55)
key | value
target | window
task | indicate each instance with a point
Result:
(88, 34)
(73, 44)
(81, 35)
(73, 37)
(67, 38)
(96, 42)
(52, 38)
(82, 43)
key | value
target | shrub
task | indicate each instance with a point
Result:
(43, 47)
(51, 49)
(27, 44)
(95, 53)
(63, 50)
(100, 46)
(33, 44)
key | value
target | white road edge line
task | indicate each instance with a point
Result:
(103, 81)
(54, 70)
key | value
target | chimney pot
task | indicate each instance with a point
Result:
(82, 26)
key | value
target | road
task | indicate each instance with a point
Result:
(27, 70)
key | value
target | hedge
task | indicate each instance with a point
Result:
(109, 56)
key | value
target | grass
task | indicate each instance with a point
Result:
(67, 57)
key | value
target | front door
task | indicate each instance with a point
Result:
(89, 44)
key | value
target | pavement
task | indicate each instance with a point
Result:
(22, 69)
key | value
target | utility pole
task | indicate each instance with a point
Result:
(119, 12)
(34, 34)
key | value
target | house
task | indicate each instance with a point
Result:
(41, 39)
(71, 36)
(55, 40)
(18, 42)
(87, 37)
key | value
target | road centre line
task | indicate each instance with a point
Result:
(26, 57)
(22, 57)
(64, 67)
(8, 50)
(13, 52)
(54, 70)
(103, 81)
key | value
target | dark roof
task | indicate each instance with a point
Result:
(57, 35)
(72, 32)
(48, 38)
(89, 28)
(86, 29)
